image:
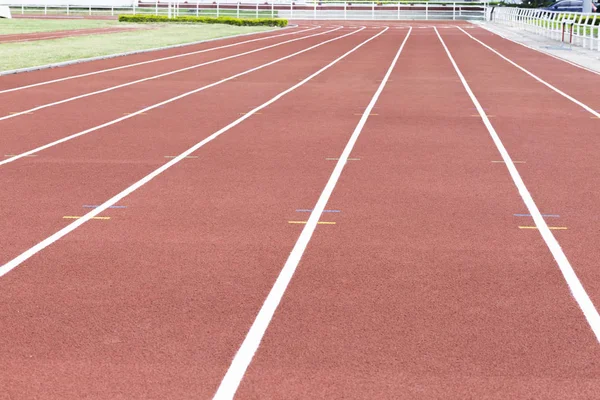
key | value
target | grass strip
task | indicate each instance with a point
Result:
(42, 52)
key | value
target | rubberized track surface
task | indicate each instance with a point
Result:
(425, 277)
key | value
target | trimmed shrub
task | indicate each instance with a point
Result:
(205, 20)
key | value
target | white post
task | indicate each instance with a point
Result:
(398, 10)
(373, 10)
(315, 10)
(453, 11)
(90, 9)
(45, 9)
(291, 9)
(272, 10)
(67, 8)
(217, 8)
(22, 8)
(237, 14)
(169, 10)
(426, 12)
(156, 8)
(112, 7)
(256, 9)
(197, 7)
(345, 11)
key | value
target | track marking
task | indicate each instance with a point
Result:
(243, 357)
(172, 99)
(477, 115)
(10, 265)
(177, 156)
(577, 289)
(137, 114)
(15, 155)
(96, 206)
(78, 217)
(254, 113)
(126, 84)
(152, 61)
(18, 113)
(502, 162)
(305, 222)
(369, 114)
(537, 78)
(550, 227)
(335, 159)
(543, 215)
(310, 210)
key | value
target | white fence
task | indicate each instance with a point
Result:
(306, 11)
(576, 28)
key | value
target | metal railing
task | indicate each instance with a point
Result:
(308, 11)
(575, 28)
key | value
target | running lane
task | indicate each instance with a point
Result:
(104, 162)
(575, 81)
(156, 300)
(31, 97)
(26, 132)
(557, 142)
(425, 288)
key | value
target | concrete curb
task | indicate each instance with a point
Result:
(544, 45)
(128, 53)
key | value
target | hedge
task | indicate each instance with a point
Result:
(205, 20)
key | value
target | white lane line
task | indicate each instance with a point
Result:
(143, 110)
(579, 293)
(537, 78)
(4, 269)
(243, 358)
(81, 96)
(152, 61)
(538, 50)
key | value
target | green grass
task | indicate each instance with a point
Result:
(29, 54)
(12, 26)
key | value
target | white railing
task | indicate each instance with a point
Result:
(308, 11)
(576, 28)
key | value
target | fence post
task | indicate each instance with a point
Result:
(315, 10)
(90, 9)
(345, 10)
(217, 8)
(272, 10)
(398, 11)
(453, 11)
(237, 13)
(373, 10)
(156, 9)
(291, 9)
(197, 7)
(67, 8)
(112, 7)
(45, 9)
(256, 9)
(22, 8)
(426, 12)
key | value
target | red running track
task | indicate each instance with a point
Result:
(425, 287)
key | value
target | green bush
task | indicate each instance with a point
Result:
(205, 20)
